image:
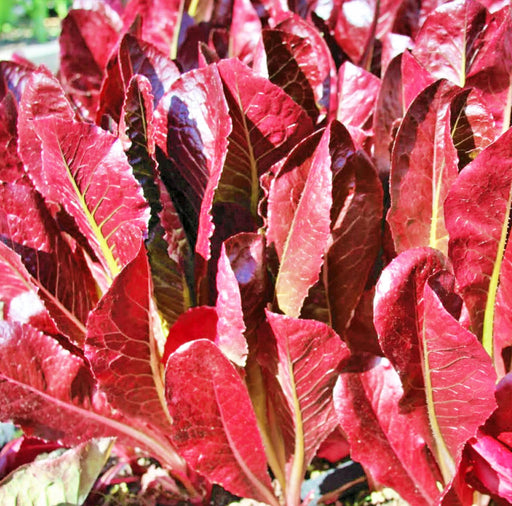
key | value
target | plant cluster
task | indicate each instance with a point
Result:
(237, 235)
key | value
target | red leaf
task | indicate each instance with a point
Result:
(308, 357)
(122, 346)
(230, 326)
(86, 41)
(85, 170)
(382, 438)
(440, 352)
(267, 123)
(214, 424)
(298, 219)
(424, 165)
(477, 212)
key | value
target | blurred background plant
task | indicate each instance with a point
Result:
(31, 19)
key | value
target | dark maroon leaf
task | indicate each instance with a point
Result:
(86, 41)
(11, 167)
(423, 167)
(192, 129)
(78, 172)
(356, 218)
(385, 440)
(214, 426)
(298, 219)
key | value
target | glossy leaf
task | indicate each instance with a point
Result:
(214, 418)
(107, 204)
(61, 477)
(423, 167)
(298, 220)
(477, 213)
(383, 438)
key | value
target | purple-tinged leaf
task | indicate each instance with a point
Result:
(230, 326)
(267, 123)
(299, 221)
(357, 95)
(63, 476)
(58, 271)
(86, 41)
(307, 363)
(450, 38)
(299, 61)
(192, 128)
(473, 127)
(489, 468)
(14, 77)
(160, 22)
(423, 167)
(384, 439)
(356, 218)
(214, 426)
(246, 253)
(389, 109)
(477, 212)
(245, 30)
(85, 170)
(448, 366)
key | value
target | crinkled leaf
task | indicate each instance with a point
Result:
(86, 41)
(267, 123)
(450, 39)
(385, 440)
(85, 170)
(452, 368)
(58, 271)
(62, 477)
(298, 219)
(11, 167)
(308, 355)
(423, 167)
(214, 426)
(122, 346)
(477, 212)
(356, 218)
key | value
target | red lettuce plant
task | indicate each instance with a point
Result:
(239, 235)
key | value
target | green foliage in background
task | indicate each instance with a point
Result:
(32, 12)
